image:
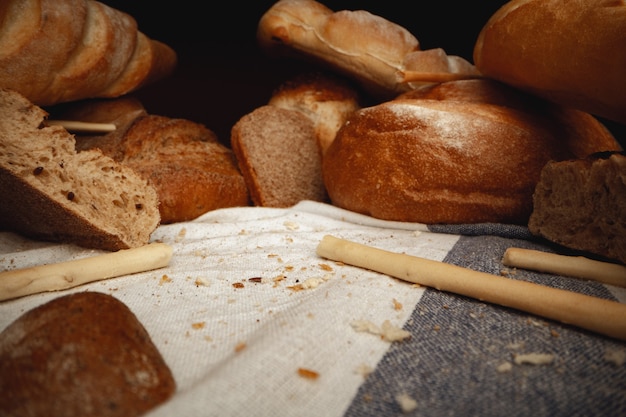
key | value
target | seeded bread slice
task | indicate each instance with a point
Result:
(51, 192)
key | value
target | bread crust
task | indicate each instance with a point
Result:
(87, 48)
(570, 52)
(81, 354)
(457, 160)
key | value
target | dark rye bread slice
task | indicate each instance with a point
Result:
(51, 192)
(278, 156)
(84, 354)
(581, 204)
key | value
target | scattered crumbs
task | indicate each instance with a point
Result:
(291, 225)
(473, 315)
(436, 327)
(554, 333)
(416, 232)
(289, 268)
(445, 306)
(240, 346)
(615, 356)
(165, 279)
(364, 370)
(255, 279)
(533, 358)
(238, 285)
(243, 232)
(406, 402)
(387, 331)
(272, 255)
(201, 254)
(181, 235)
(201, 282)
(504, 367)
(396, 305)
(278, 279)
(198, 325)
(308, 373)
(326, 267)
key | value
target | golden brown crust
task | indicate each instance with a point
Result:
(578, 60)
(81, 354)
(87, 48)
(446, 161)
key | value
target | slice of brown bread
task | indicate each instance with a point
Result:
(51, 192)
(278, 155)
(581, 204)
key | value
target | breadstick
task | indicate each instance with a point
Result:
(83, 127)
(595, 314)
(571, 266)
(64, 275)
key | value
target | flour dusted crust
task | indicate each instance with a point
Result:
(452, 160)
(369, 49)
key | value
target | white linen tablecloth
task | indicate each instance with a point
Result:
(236, 346)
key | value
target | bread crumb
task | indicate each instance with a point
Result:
(307, 373)
(202, 282)
(198, 325)
(406, 402)
(291, 225)
(238, 285)
(504, 367)
(534, 358)
(181, 235)
(615, 356)
(165, 279)
(387, 331)
(326, 267)
(397, 305)
(364, 370)
(240, 346)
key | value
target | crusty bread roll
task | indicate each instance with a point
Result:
(327, 100)
(278, 156)
(454, 153)
(192, 172)
(84, 354)
(54, 51)
(571, 52)
(51, 192)
(581, 204)
(380, 55)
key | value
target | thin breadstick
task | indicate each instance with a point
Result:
(591, 313)
(83, 127)
(571, 266)
(69, 274)
(436, 77)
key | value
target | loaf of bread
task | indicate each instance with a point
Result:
(581, 204)
(278, 156)
(572, 52)
(192, 172)
(51, 192)
(383, 57)
(84, 354)
(326, 99)
(460, 152)
(54, 51)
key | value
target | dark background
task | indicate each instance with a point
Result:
(222, 74)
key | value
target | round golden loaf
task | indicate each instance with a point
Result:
(461, 152)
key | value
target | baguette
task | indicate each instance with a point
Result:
(87, 49)
(51, 192)
(571, 52)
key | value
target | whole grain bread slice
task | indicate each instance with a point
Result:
(51, 192)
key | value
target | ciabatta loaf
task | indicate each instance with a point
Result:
(383, 57)
(581, 204)
(572, 52)
(55, 51)
(456, 153)
(51, 192)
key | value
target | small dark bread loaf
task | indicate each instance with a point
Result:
(581, 204)
(84, 354)
(462, 152)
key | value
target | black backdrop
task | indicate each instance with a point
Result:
(223, 75)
